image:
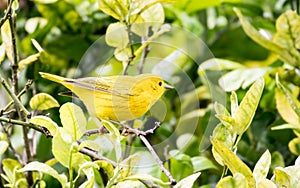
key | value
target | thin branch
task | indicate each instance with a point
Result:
(24, 90)
(15, 98)
(22, 123)
(6, 15)
(157, 159)
(11, 147)
(131, 49)
(145, 52)
(95, 156)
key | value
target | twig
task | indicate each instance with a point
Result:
(15, 98)
(145, 52)
(11, 147)
(6, 15)
(24, 90)
(131, 49)
(22, 123)
(95, 156)
(157, 159)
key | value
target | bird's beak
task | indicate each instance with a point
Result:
(168, 86)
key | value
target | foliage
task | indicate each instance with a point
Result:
(232, 121)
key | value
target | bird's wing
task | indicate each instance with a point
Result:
(103, 84)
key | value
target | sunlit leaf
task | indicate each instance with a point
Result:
(114, 8)
(41, 167)
(246, 110)
(3, 146)
(87, 169)
(145, 177)
(265, 183)
(7, 40)
(46, 122)
(218, 64)
(286, 104)
(234, 164)
(129, 184)
(43, 101)
(28, 60)
(261, 40)
(2, 52)
(240, 78)
(10, 166)
(234, 103)
(109, 169)
(238, 180)
(294, 146)
(288, 32)
(117, 35)
(73, 120)
(282, 179)
(262, 166)
(202, 163)
(188, 181)
(34, 23)
(90, 144)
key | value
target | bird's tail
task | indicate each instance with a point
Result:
(53, 77)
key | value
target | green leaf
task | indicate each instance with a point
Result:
(153, 17)
(46, 122)
(87, 169)
(147, 177)
(7, 40)
(111, 128)
(202, 163)
(10, 166)
(286, 104)
(234, 103)
(117, 35)
(262, 167)
(288, 33)
(41, 167)
(282, 179)
(245, 112)
(2, 53)
(294, 146)
(240, 78)
(109, 169)
(73, 120)
(114, 8)
(129, 184)
(218, 64)
(3, 146)
(238, 180)
(234, 164)
(62, 149)
(43, 101)
(28, 60)
(188, 181)
(90, 144)
(258, 38)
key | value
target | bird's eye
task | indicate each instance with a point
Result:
(160, 83)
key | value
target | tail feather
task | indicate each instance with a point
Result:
(53, 77)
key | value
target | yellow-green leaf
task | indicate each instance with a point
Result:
(3, 146)
(73, 120)
(114, 8)
(188, 181)
(294, 146)
(43, 101)
(117, 35)
(234, 164)
(2, 52)
(43, 168)
(282, 179)
(109, 169)
(257, 37)
(246, 110)
(238, 180)
(7, 40)
(262, 167)
(46, 122)
(28, 60)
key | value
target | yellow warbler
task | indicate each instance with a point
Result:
(118, 98)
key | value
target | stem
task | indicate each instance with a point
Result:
(24, 90)
(157, 159)
(95, 156)
(15, 153)
(22, 123)
(15, 98)
(131, 49)
(7, 13)
(145, 52)
(71, 169)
